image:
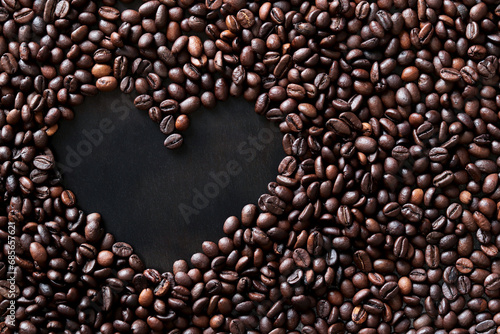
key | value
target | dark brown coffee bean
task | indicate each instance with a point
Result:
(454, 211)
(301, 258)
(486, 327)
(365, 144)
(464, 285)
(344, 216)
(432, 256)
(338, 126)
(359, 315)
(412, 212)
(425, 131)
(469, 75)
(362, 261)
(362, 10)
(245, 18)
(389, 290)
(44, 162)
(24, 15)
(173, 141)
(401, 247)
(374, 306)
(122, 249)
(444, 179)
(492, 282)
(450, 74)
(143, 102)
(106, 83)
(465, 266)
(167, 124)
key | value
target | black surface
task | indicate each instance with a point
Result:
(139, 186)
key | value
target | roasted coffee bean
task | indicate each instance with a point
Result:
(359, 315)
(450, 74)
(464, 265)
(464, 285)
(344, 215)
(412, 212)
(432, 256)
(294, 122)
(486, 327)
(173, 141)
(389, 290)
(106, 83)
(374, 306)
(401, 247)
(143, 102)
(492, 282)
(362, 261)
(122, 249)
(44, 162)
(444, 179)
(338, 126)
(167, 124)
(301, 258)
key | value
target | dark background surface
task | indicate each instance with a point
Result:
(112, 157)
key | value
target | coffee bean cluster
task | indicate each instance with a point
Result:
(384, 215)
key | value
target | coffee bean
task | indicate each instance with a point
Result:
(44, 162)
(450, 74)
(425, 131)
(444, 179)
(464, 285)
(401, 247)
(464, 265)
(438, 154)
(418, 275)
(365, 144)
(400, 153)
(122, 249)
(492, 282)
(143, 102)
(109, 13)
(486, 327)
(106, 83)
(315, 244)
(374, 306)
(38, 253)
(389, 290)
(432, 256)
(469, 75)
(362, 261)
(167, 125)
(245, 18)
(412, 212)
(450, 292)
(9, 63)
(294, 122)
(87, 250)
(173, 141)
(454, 211)
(359, 315)
(24, 15)
(301, 258)
(344, 216)
(338, 126)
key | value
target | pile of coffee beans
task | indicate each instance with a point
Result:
(384, 215)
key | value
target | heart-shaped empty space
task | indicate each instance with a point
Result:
(164, 202)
